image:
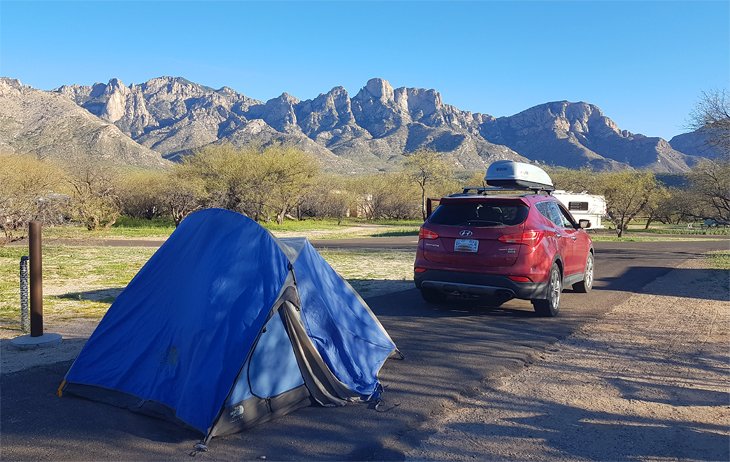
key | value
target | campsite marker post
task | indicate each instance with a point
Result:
(36, 279)
(36, 338)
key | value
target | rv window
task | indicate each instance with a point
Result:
(479, 214)
(578, 206)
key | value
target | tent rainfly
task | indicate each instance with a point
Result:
(227, 326)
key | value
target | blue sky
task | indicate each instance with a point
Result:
(643, 63)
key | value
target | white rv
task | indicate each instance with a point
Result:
(584, 206)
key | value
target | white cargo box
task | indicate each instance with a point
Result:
(518, 175)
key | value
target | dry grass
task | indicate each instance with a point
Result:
(82, 282)
(78, 282)
(720, 259)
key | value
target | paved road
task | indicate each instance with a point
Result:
(450, 352)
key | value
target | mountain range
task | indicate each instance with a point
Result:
(169, 117)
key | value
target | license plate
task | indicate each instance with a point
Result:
(466, 245)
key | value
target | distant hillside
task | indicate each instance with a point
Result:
(697, 143)
(50, 126)
(579, 135)
(372, 130)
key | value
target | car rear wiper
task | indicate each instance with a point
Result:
(486, 222)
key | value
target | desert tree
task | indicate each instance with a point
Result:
(574, 180)
(142, 193)
(712, 115)
(387, 195)
(29, 189)
(288, 174)
(475, 179)
(261, 183)
(627, 195)
(677, 206)
(331, 196)
(183, 192)
(710, 181)
(656, 205)
(94, 193)
(428, 170)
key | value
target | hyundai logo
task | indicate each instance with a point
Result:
(465, 233)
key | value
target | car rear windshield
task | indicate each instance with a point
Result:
(479, 214)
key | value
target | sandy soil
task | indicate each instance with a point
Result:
(74, 336)
(650, 381)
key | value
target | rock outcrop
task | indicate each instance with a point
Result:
(579, 135)
(376, 128)
(369, 131)
(50, 125)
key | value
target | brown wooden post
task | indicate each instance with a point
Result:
(36, 279)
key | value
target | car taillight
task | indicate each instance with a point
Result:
(418, 269)
(427, 234)
(530, 238)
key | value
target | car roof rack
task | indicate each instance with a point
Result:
(483, 191)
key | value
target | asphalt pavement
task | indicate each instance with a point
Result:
(450, 352)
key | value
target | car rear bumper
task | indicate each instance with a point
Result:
(461, 283)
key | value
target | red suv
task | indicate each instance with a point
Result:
(499, 247)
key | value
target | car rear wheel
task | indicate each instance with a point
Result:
(586, 284)
(551, 305)
(432, 296)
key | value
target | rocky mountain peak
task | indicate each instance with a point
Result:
(174, 87)
(115, 84)
(286, 99)
(422, 102)
(277, 112)
(376, 127)
(379, 89)
(228, 91)
(7, 83)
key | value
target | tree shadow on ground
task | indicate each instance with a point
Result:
(107, 295)
(645, 390)
(583, 427)
(449, 352)
(696, 288)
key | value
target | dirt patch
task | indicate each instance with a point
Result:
(649, 381)
(74, 335)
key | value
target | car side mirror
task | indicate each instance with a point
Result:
(584, 224)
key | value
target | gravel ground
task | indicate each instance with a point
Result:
(74, 336)
(650, 381)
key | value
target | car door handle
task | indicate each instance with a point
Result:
(573, 237)
(558, 235)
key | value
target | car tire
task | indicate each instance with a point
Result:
(550, 306)
(586, 284)
(432, 296)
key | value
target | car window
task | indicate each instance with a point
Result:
(568, 220)
(542, 207)
(557, 216)
(479, 214)
(550, 211)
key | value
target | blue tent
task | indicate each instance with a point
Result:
(227, 326)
